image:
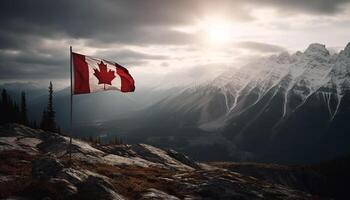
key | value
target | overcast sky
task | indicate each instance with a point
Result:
(162, 43)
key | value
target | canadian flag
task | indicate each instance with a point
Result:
(95, 75)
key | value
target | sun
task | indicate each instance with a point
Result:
(217, 31)
(218, 34)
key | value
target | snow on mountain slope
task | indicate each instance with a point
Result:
(307, 75)
(296, 76)
(306, 107)
(267, 103)
(339, 79)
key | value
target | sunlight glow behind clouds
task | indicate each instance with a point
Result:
(218, 31)
(196, 39)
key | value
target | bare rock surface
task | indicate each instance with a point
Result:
(35, 165)
(155, 194)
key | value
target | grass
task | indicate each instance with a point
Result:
(131, 181)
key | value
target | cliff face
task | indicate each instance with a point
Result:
(35, 164)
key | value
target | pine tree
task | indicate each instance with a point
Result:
(43, 123)
(15, 112)
(98, 140)
(48, 121)
(10, 111)
(34, 125)
(91, 139)
(4, 107)
(4, 96)
(50, 112)
(23, 112)
(116, 140)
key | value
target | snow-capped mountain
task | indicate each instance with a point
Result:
(294, 106)
(285, 108)
(296, 76)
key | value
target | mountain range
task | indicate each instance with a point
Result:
(290, 108)
(286, 108)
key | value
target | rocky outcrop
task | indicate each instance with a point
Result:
(35, 165)
(97, 187)
(45, 168)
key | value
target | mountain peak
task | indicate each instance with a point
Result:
(283, 57)
(316, 48)
(347, 49)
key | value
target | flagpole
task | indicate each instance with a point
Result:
(71, 105)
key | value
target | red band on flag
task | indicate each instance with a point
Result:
(127, 82)
(81, 74)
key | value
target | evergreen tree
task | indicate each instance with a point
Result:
(116, 140)
(34, 125)
(4, 107)
(98, 140)
(10, 111)
(4, 96)
(58, 129)
(14, 112)
(23, 117)
(43, 123)
(2, 110)
(91, 139)
(50, 112)
(48, 121)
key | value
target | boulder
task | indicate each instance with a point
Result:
(46, 168)
(97, 187)
(54, 188)
(183, 159)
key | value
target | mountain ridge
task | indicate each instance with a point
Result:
(297, 102)
(282, 101)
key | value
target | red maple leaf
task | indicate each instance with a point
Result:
(104, 76)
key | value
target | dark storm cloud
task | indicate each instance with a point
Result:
(15, 70)
(28, 64)
(33, 58)
(132, 21)
(26, 24)
(261, 47)
(101, 23)
(106, 21)
(129, 54)
(306, 6)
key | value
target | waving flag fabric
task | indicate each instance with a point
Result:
(94, 75)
